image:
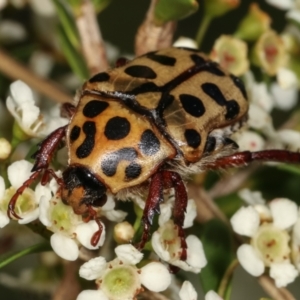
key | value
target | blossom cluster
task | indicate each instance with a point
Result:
(268, 63)
(274, 231)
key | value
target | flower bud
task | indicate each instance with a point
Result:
(269, 52)
(254, 24)
(217, 8)
(5, 148)
(231, 54)
(123, 232)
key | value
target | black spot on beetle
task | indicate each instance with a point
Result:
(162, 59)
(85, 149)
(149, 143)
(93, 108)
(215, 93)
(210, 145)
(192, 137)
(240, 85)
(75, 132)
(233, 109)
(146, 87)
(198, 60)
(110, 163)
(117, 128)
(100, 77)
(132, 171)
(192, 105)
(140, 71)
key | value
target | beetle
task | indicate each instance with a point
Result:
(144, 125)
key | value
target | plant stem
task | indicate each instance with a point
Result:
(202, 29)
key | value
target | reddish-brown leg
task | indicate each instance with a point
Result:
(173, 179)
(92, 215)
(67, 110)
(20, 190)
(42, 160)
(159, 181)
(243, 158)
(155, 197)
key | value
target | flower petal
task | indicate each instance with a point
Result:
(187, 291)
(212, 295)
(85, 232)
(283, 273)
(2, 187)
(284, 212)
(155, 277)
(29, 216)
(249, 260)
(18, 172)
(245, 221)
(4, 219)
(64, 246)
(92, 295)
(195, 253)
(44, 211)
(93, 269)
(158, 247)
(191, 213)
(129, 254)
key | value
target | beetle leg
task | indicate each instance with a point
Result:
(42, 157)
(155, 197)
(67, 110)
(46, 149)
(19, 192)
(173, 179)
(159, 181)
(92, 215)
(243, 158)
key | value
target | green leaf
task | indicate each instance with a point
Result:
(168, 10)
(7, 258)
(289, 168)
(67, 23)
(216, 241)
(72, 55)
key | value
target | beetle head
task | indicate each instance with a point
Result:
(82, 189)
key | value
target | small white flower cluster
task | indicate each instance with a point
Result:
(42, 203)
(283, 95)
(274, 231)
(21, 104)
(292, 7)
(121, 279)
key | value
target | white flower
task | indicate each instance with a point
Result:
(27, 204)
(167, 245)
(154, 275)
(5, 148)
(288, 138)
(11, 31)
(281, 4)
(68, 228)
(284, 98)
(249, 140)
(185, 42)
(110, 213)
(283, 274)
(212, 295)
(270, 240)
(187, 292)
(21, 105)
